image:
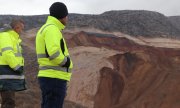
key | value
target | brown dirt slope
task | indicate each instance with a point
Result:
(111, 71)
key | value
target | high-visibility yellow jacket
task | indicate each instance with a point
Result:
(10, 60)
(52, 51)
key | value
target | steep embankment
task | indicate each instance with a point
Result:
(129, 75)
(111, 71)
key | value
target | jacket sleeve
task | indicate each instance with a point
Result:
(8, 52)
(52, 41)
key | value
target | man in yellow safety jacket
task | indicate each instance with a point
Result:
(55, 64)
(11, 63)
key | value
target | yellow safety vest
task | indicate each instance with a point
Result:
(10, 55)
(52, 52)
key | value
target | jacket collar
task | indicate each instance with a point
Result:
(55, 21)
(14, 34)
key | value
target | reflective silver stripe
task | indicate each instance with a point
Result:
(45, 27)
(7, 48)
(41, 56)
(18, 54)
(64, 61)
(18, 66)
(12, 77)
(54, 68)
(55, 55)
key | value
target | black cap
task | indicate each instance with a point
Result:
(58, 10)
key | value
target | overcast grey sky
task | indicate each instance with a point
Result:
(37, 7)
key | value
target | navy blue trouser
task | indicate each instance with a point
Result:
(53, 92)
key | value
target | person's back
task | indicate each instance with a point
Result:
(11, 64)
(54, 61)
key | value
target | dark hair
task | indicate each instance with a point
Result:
(15, 22)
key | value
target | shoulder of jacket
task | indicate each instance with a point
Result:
(6, 34)
(48, 27)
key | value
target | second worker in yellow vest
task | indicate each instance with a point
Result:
(12, 77)
(55, 64)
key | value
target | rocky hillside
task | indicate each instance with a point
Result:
(135, 23)
(175, 21)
